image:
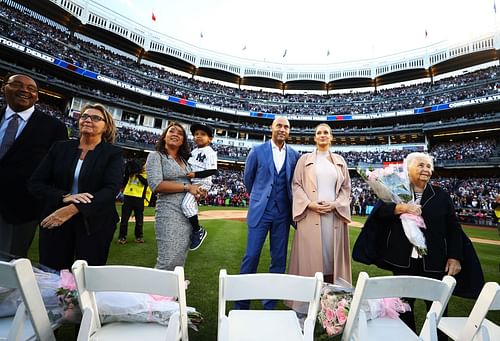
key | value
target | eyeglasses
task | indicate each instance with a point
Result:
(93, 118)
(19, 85)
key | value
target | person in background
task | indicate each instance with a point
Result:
(26, 134)
(203, 163)
(167, 170)
(496, 212)
(268, 176)
(77, 182)
(136, 193)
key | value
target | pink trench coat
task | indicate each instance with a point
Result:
(306, 255)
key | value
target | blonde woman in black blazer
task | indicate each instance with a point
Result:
(77, 183)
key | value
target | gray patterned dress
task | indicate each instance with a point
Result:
(173, 230)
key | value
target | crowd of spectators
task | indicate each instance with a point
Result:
(472, 197)
(469, 150)
(227, 190)
(465, 150)
(46, 36)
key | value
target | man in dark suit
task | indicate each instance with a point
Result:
(268, 177)
(26, 135)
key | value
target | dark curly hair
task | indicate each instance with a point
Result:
(184, 151)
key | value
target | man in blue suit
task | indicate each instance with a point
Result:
(268, 177)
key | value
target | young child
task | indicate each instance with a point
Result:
(203, 162)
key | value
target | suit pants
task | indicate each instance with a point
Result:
(417, 269)
(15, 239)
(278, 225)
(130, 204)
(61, 246)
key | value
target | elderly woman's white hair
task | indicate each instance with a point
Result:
(417, 155)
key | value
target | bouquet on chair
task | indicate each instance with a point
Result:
(391, 185)
(68, 297)
(335, 303)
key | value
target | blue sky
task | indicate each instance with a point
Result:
(307, 30)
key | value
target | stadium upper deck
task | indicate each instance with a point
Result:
(92, 19)
(144, 109)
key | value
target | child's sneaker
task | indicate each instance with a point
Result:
(122, 241)
(197, 238)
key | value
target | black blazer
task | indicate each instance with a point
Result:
(100, 175)
(371, 247)
(17, 205)
(385, 244)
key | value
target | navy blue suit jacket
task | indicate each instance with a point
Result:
(259, 176)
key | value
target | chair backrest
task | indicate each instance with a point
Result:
(91, 279)
(399, 286)
(271, 286)
(268, 286)
(489, 299)
(19, 274)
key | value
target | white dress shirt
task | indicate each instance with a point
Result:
(25, 116)
(278, 156)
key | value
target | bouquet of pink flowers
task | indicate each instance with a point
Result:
(68, 297)
(336, 301)
(393, 185)
(334, 310)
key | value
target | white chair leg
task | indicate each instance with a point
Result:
(17, 327)
(429, 330)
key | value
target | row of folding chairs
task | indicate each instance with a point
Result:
(31, 322)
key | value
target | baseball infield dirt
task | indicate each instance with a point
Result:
(241, 215)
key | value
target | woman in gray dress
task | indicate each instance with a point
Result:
(167, 170)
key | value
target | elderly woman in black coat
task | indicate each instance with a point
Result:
(384, 242)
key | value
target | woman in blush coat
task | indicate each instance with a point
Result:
(321, 208)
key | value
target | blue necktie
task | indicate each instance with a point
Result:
(10, 135)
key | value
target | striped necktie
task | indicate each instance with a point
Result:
(10, 135)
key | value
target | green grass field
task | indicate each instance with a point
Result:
(224, 248)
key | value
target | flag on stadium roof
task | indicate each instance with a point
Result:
(284, 53)
(153, 16)
(201, 34)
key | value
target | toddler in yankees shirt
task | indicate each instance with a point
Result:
(203, 163)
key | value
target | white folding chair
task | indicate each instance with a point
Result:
(358, 327)
(476, 327)
(261, 325)
(91, 279)
(31, 321)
